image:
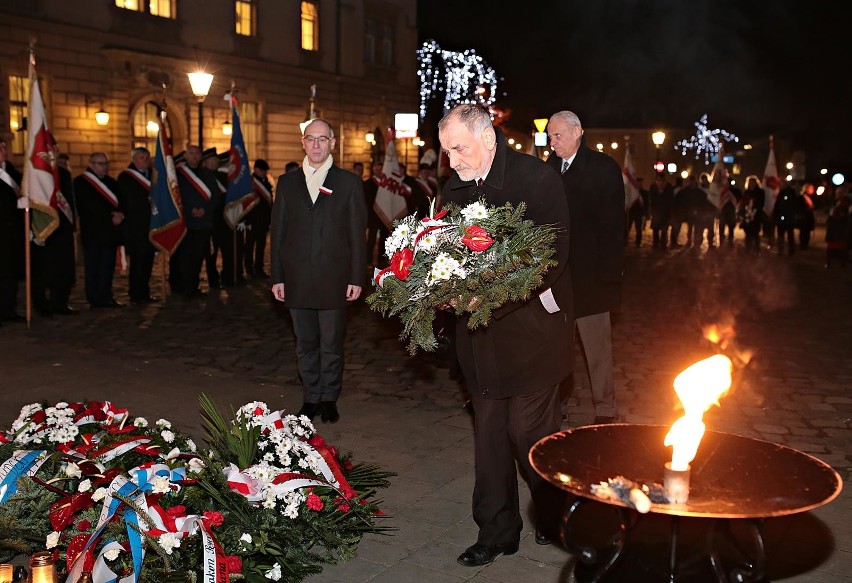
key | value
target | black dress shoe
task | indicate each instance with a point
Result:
(66, 311)
(541, 538)
(328, 412)
(309, 410)
(479, 555)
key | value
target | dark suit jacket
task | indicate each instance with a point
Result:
(318, 248)
(191, 198)
(595, 191)
(137, 202)
(95, 211)
(524, 348)
(11, 227)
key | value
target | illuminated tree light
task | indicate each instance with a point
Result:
(705, 141)
(463, 78)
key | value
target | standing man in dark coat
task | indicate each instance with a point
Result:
(595, 192)
(258, 220)
(318, 263)
(198, 189)
(135, 184)
(661, 196)
(101, 209)
(512, 367)
(376, 229)
(11, 238)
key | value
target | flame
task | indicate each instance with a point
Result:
(699, 387)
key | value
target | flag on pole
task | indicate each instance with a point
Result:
(390, 198)
(41, 174)
(168, 226)
(241, 196)
(631, 185)
(771, 182)
(719, 188)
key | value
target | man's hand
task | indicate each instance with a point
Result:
(117, 217)
(197, 212)
(278, 291)
(353, 292)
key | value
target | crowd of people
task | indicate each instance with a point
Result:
(686, 206)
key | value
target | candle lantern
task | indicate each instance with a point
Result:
(6, 573)
(42, 568)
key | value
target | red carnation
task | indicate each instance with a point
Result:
(215, 518)
(347, 464)
(84, 525)
(343, 507)
(176, 511)
(314, 502)
(234, 564)
(476, 238)
(401, 263)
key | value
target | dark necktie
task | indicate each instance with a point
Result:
(565, 165)
(479, 181)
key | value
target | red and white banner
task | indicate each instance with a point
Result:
(391, 201)
(771, 181)
(631, 185)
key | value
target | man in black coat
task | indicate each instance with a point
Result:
(100, 205)
(595, 192)
(258, 220)
(135, 184)
(318, 263)
(512, 367)
(11, 238)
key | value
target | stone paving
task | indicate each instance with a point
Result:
(404, 412)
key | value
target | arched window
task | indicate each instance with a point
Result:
(310, 26)
(145, 126)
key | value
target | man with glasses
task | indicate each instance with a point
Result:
(512, 367)
(318, 263)
(100, 206)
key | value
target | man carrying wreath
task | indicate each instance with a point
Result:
(513, 366)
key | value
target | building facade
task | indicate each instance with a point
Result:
(352, 62)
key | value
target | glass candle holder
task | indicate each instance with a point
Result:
(41, 568)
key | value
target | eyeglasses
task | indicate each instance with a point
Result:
(321, 140)
(100, 162)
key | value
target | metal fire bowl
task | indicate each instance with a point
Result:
(732, 476)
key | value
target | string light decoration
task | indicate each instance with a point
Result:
(463, 77)
(705, 141)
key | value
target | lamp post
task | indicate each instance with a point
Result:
(658, 138)
(200, 83)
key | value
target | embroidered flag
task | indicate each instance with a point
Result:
(390, 198)
(631, 186)
(241, 196)
(41, 174)
(771, 182)
(167, 223)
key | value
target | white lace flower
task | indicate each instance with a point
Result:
(52, 540)
(112, 554)
(84, 486)
(72, 470)
(167, 436)
(246, 538)
(140, 422)
(190, 445)
(274, 573)
(196, 465)
(99, 494)
(161, 485)
(163, 423)
(169, 541)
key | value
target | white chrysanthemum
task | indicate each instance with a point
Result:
(246, 538)
(99, 494)
(163, 424)
(161, 485)
(52, 540)
(167, 436)
(190, 445)
(269, 457)
(72, 470)
(274, 573)
(140, 422)
(443, 268)
(428, 242)
(269, 502)
(196, 466)
(112, 554)
(84, 486)
(475, 212)
(169, 541)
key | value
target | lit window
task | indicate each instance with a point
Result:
(245, 17)
(19, 96)
(161, 8)
(145, 126)
(310, 26)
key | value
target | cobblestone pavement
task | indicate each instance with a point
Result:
(791, 314)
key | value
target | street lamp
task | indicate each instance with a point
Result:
(658, 138)
(200, 83)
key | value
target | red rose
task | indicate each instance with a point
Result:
(215, 518)
(401, 263)
(476, 238)
(314, 502)
(234, 564)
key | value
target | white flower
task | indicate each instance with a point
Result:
(196, 466)
(72, 470)
(112, 554)
(140, 422)
(167, 436)
(99, 494)
(246, 538)
(52, 540)
(84, 486)
(162, 423)
(190, 445)
(173, 454)
(443, 268)
(474, 212)
(169, 542)
(274, 573)
(161, 485)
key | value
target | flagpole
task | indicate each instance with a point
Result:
(163, 274)
(234, 228)
(27, 258)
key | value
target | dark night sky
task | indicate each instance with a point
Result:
(754, 66)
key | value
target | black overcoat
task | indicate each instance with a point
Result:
(95, 213)
(524, 348)
(595, 191)
(317, 249)
(137, 203)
